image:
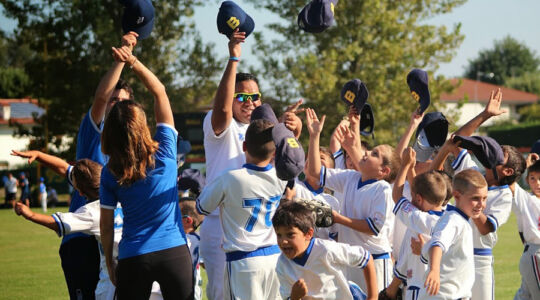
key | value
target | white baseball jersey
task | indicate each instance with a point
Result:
(526, 206)
(193, 240)
(408, 267)
(464, 161)
(369, 200)
(453, 234)
(322, 267)
(247, 198)
(399, 229)
(339, 163)
(306, 191)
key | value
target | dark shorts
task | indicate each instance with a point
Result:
(24, 196)
(80, 262)
(11, 196)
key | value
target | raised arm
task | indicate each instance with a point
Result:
(354, 119)
(349, 141)
(416, 118)
(408, 160)
(492, 109)
(27, 213)
(162, 106)
(335, 144)
(222, 112)
(54, 163)
(314, 127)
(448, 147)
(108, 82)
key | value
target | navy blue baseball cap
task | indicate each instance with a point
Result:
(264, 112)
(138, 16)
(418, 84)
(536, 147)
(367, 121)
(290, 157)
(231, 16)
(488, 152)
(355, 93)
(191, 179)
(430, 135)
(317, 15)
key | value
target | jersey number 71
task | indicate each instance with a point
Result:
(257, 203)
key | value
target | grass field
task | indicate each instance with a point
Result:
(30, 265)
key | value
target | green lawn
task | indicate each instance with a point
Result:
(30, 265)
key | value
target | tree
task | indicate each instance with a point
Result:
(70, 42)
(378, 42)
(508, 58)
(528, 82)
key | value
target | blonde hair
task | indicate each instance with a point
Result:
(392, 161)
(467, 179)
(127, 141)
(431, 186)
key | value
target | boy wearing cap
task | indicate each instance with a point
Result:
(367, 205)
(504, 166)
(247, 199)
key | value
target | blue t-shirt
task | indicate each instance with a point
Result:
(152, 217)
(42, 188)
(88, 146)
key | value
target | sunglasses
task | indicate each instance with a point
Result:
(242, 97)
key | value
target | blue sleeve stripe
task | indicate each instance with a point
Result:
(169, 126)
(398, 205)
(61, 230)
(200, 209)
(365, 260)
(107, 206)
(68, 175)
(423, 259)
(338, 153)
(322, 179)
(459, 159)
(493, 222)
(399, 275)
(372, 226)
(438, 244)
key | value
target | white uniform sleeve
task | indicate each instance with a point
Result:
(339, 160)
(82, 220)
(379, 209)
(346, 255)
(464, 161)
(211, 197)
(209, 133)
(415, 219)
(285, 281)
(443, 236)
(519, 205)
(498, 209)
(335, 179)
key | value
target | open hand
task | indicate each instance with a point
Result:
(493, 107)
(31, 155)
(433, 282)
(314, 126)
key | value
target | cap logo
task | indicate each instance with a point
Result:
(233, 22)
(140, 20)
(415, 96)
(332, 7)
(292, 142)
(349, 96)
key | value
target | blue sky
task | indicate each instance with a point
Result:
(483, 21)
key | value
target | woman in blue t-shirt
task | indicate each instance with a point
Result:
(141, 176)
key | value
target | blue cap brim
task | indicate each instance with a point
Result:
(143, 31)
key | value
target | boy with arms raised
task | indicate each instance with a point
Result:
(449, 253)
(314, 267)
(367, 206)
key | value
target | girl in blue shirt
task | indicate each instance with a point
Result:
(141, 176)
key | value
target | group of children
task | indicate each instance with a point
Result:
(396, 232)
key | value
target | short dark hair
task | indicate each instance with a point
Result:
(294, 214)
(245, 77)
(428, 185)
(187, 207)
(516, 162)
(327, 152)
(87, 175)
(534, 168)
(124, 85)
(259, 142)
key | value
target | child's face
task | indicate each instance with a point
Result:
(372, 162)
(292, 241)
(326, 161)
(472, 202)
(533, 179)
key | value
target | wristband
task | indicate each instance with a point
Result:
(234, 58)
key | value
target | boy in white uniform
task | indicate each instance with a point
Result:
(367, 207)
(419, 215)
(526, 206)
(191, 220)
(449, 253)
(247, 199)
(314, 267)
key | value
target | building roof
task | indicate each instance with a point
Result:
(21, 111)
(480, 91)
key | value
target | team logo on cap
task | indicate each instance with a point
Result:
(292, 142)
(140, 20)
(415, 96)
(349, 96)
(233, 22)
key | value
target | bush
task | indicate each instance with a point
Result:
(519, 135)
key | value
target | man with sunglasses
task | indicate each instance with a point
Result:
(79, 252)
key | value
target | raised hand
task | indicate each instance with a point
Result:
(31, 155)
(123, 54)
(346, 137)
(237, 38)
(313, 124)
(130, 39)
(531, 159)
(493, 107)
(23, 210)
(294, 108)
(416, 118)
(409, 156)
